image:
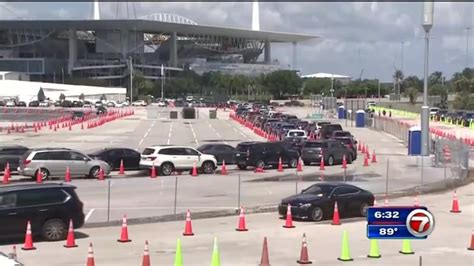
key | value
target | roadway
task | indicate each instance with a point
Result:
(447, 245)
(139, 196)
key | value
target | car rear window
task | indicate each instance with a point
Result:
(342, 134)
(296, 134)
(148, 151)
(243, 148)
(345, 141)
(315, 145)
(332, 127)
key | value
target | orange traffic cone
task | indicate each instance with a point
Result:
(39, 177)
(70, 241)
(367, 152)
(242, 225)
(304, 258)
(362, 150)
(67, 176)
(259, 170)
(264, 261)
(374, 157)
(188, 227)
(289, 218)
(121, 169)
(153, 171)
(28, 238)
(366, 161)
(146, 255)
(6, 174)
(223, 168)
(90, 256)
(299, 166)
(335, 215)
(344, 162)
(471, 247)
(321, 164)
(455, 207)
(101, 174)
(194, 171)
(280, 165)
(124, 233)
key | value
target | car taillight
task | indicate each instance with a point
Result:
(26, 162)
(350, 146)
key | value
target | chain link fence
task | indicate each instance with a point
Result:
(452, 155)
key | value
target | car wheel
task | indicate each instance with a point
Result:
(207, 167)
(350, 158)
(363, 209)
(167, 168)
(54, 230)
(330, 160)
(293, 163)
(94, 172)
(317, 214)
(307, 163)
(44, 174)
(260, 164)
(242, 166)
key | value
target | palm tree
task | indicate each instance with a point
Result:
(398, 77)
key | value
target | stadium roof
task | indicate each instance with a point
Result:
(325, 75)
(150, 26)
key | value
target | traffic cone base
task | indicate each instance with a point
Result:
(345, 252)
(70, 241)
(374, 249)
(406, 248)
(28, 238)
(124, 232)
(242, 227)
(188, 228)
(455, 206)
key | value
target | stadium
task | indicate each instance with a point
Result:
(104, 51)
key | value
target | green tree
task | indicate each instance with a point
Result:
(412, 94)
(82, 97)
(316, 86)
(62, 97)
(282, 82)
(398, 78)
(413, 82)
(41, 96)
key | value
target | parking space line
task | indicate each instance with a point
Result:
(169, 134)
(89, 214)
(194, 134)
(216, 132)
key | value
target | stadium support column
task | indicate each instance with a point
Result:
(268, 52)
(173, 50)
(72, 50)
(293, 54)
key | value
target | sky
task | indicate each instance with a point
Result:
(356, 38)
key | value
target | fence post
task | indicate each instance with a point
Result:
(108, 200)
(296, 183)
(386, 177)
(238, 195)
(175, 194)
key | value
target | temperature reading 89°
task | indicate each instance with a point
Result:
(387, 231)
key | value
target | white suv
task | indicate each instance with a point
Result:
(170, 158)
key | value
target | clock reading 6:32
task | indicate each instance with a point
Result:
(387, 215)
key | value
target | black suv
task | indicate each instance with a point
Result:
(11, 154)
(327, 130)
(261, 154)
(48, 207)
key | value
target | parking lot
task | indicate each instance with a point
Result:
(139, 196)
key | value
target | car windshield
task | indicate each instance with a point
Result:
(316, 190)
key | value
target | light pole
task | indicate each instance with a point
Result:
(468, 63)
(131, 79)
(378, 84)
(428, 10)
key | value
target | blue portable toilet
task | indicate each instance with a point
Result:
(341, 112)
(360, 118)
(414, 140)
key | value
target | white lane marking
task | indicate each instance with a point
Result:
(238, 130)
(216, 132)
(194, 134)
(141, 142)
(169, 134)
(163, 208)
(89, 214)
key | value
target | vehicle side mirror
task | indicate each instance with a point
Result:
(86, 159)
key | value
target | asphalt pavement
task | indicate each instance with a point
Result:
(447, 245)
(138, 196)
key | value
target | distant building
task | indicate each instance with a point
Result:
(8, 75)
(341, 78)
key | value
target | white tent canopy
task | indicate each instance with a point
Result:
(325, 75)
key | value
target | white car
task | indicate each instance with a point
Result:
(98, 104)
(111, 104)
(139, 103)
(434, 110)
(119, 104)
(10, 104)
(44, 104)
(167, 159)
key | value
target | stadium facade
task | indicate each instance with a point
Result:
(105, 50)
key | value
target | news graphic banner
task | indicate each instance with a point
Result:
(399, 223)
